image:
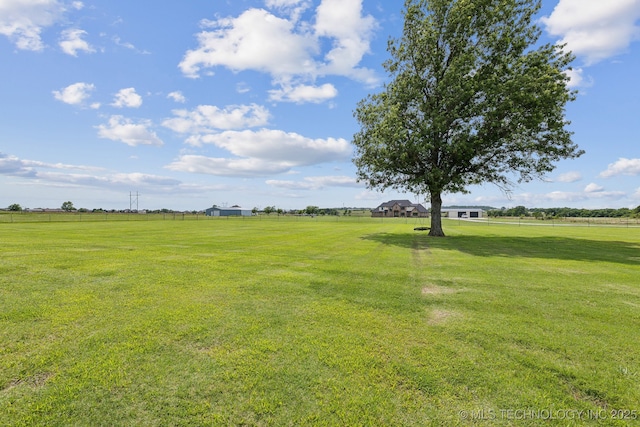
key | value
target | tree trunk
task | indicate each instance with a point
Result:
(436, 215)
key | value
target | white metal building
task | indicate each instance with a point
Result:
(464, 213)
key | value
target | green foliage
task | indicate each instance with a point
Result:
(565, 212)
(472, 99)
(15, 207)
(67, 206)
(269, 210)
(520, 211)
(312, 210)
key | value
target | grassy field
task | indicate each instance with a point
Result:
(317, 322)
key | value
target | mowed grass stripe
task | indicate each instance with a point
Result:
(307, 322)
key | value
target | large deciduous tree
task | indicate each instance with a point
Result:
(473, 98)
(67, 206)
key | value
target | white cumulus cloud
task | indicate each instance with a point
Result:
(569, 177)
(256, 40)
(622, 166)
(253, 152)
(262, 153)
(577, 78)
(23, 21)
(279, 146)
(342, 22)
(593, 188)
(227, 167)
(177, 96)
(287, 49)
(209, 118)
(74, 94)
(595, 29)
(125, 130)
(304, 93)
(293, 7)
(127, 98)
(286, 3)
(72, 42)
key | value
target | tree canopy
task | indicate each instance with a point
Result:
(67, 206)
(269, 210)
(472, 99)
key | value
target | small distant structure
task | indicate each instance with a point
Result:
(400, 209)
(224, 211)
(47, 210)
(464, 213)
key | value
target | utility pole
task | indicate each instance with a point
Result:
(133, 200)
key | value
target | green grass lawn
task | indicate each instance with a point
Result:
(317, 322)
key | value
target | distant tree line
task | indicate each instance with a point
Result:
(315, 210)
(309, 210)
(550, 213)
(68, 207)
(518, 211)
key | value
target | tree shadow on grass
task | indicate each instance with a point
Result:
(547, 247)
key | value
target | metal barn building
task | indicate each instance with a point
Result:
(232, 211)
(464, 213)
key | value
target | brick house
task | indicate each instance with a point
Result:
(400, 209)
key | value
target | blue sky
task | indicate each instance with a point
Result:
(248, 102)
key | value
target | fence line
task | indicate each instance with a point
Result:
(23, 217)
(45, 217)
